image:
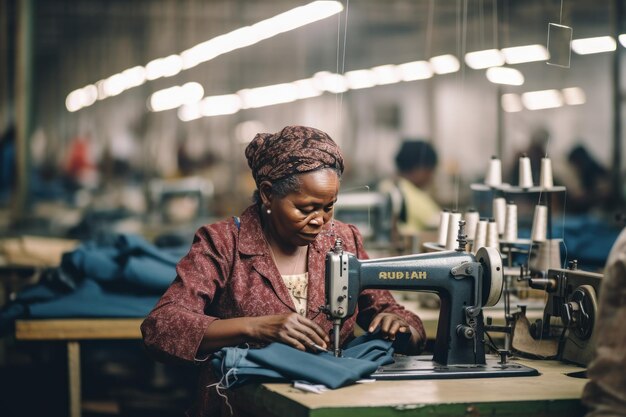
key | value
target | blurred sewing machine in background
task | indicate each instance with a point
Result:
(566, 331)
(370, 212)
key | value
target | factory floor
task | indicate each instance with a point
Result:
(118, 379)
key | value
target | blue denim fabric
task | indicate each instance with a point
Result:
(279, 362)
(123, 277)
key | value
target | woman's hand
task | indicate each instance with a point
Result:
(291, 329)
(390, 324)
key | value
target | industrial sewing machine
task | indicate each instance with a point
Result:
(566, 330)
(465, 284)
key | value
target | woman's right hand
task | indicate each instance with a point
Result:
(291, 329)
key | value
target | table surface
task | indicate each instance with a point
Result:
(78, 329)
(550, 394)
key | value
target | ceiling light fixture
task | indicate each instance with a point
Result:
(502, 75)
(574, 96)
(445, 64)
(594, 45)
(484, 59)
(544, 99)
(511, 103)
(526, 53)
(205, 51)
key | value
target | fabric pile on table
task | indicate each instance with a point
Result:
(121, 276)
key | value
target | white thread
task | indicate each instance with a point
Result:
(480, 240)
(510, 223)
(493, 240)
(525, 172)
(499, 213)
(540, 224)
(471, 221)
(494, 172)
(453, 230)
(444, 219)
(545, 175)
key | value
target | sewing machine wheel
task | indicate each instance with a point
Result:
(491, 261)
(580, 311)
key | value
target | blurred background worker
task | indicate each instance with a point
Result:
(414, 208)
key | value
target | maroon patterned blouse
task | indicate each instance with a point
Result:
(229, 272)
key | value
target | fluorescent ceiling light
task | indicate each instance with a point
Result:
(416, 70)
(83, 97)
(622, 39)
(360, 79)
(544, 99)
(306, 89)
(219, 105)
(594, 45)
(268, 95)
(189, 112)
(445, 64)
(511, 103)
(173, 97)
(574, 96)
(386, 74)
(212, 48)
(526, 53)
(333, 83)
(502, 75)
(484, 59)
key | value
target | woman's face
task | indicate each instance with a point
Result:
(298, 217)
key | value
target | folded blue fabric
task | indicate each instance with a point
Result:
(280, 362)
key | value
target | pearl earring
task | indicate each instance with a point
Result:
(268, 211)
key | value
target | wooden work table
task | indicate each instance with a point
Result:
(551, 394)
(546, 391)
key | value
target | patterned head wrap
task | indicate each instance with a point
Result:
(293, 150)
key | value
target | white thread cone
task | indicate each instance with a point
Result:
(471, 221)
(545, 175)
(453, 231)
(525, 173)
(480, 240)
(442, 235)
(499, 213)
(493, 240)
(510, 224)
(540, 224)
(494, 172)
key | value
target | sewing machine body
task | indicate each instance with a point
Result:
(464, 283)
(454, 276)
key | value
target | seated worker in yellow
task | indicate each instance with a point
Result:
(259, 278)
(414, 208)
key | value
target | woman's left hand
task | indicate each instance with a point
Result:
(390, 324)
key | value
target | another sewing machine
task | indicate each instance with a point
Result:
(465, 284)
(566, 330)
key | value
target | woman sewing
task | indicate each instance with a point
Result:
(259, 278)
